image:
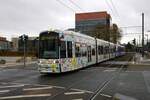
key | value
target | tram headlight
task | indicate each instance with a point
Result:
(39, 61)
(55, 61)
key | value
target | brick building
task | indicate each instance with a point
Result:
(86, 23)
(4, 44)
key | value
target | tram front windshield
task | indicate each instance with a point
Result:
(48, 46)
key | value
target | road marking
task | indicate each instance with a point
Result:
(12, 86)
(24, 96)
(58, 87)
(78, 99)
(109, 70)
(105, 84)
(70, 93)
(146, 76)
(4, 91)
(4, 83)
(82, 90)
(105, 95)
(18, 83)
(98, 69)
(39, 88)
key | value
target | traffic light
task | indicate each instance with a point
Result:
(134, 41)
(23, 37)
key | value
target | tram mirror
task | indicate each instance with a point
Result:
(59, 42)
(62, 37)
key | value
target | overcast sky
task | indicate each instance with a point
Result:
(33, 16)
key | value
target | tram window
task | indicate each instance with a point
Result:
(93, 51)
(114, 49)
(99, 50)
(77, 50)
(104, 50)
(69, 49)
(84, 53)
(63, 49)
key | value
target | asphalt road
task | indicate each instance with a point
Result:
(98, 82)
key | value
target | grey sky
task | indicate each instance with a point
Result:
(33, 16)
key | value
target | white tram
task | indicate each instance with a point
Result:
(63, 51)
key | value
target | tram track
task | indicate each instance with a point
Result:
(92, 92)
(99, 87)
(102, 86)
(69, 87)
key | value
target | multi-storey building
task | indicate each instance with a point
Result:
(87, 23)
(4, 44)
(31, 45)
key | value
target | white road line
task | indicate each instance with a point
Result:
(24, 96)
(58, 87)
(109, 70)
(39, 88)
(105, 95)
(78, 99)
(4, 83)
(28, 84)
(82, 90)
(70, 93)
(39, 85)
(17, 83)
(12, 86)
(4, 91)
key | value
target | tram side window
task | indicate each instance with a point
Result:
(99, 50)
(69, 49)
(114, 49)
(93, 52)
(104, 49)
(63, 49)
(84, 52)
(77, 50)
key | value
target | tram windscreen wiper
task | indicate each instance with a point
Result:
(49, 54)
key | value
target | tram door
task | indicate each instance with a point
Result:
(89, 54)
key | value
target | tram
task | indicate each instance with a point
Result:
(64, 51)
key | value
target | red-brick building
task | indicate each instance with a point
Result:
(87, 22)
(4, 44)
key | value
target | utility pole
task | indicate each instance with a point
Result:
(147, 37)
(142, 34)
(146, 42)
(24, 50)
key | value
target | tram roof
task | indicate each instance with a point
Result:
(80, 35)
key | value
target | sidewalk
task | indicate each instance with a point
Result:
(16, 64)
(138, 59)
